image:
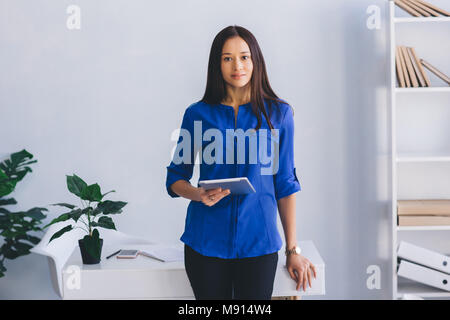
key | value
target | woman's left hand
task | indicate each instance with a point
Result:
(299, 269)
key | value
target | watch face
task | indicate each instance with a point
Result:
(297, 250)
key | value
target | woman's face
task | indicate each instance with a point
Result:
(236, 62)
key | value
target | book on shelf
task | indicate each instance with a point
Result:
(421, 69)
(402, 66)
(423, 212)
(407, 8)
(435, 71)
(420, 8)
(427, 9)
(417, 7)
(415, 65)
(427, 220)
(423, 207)
(410, 69)
(399, 68)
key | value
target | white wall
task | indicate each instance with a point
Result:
(103, 101)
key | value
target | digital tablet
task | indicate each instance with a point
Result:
(239, 185)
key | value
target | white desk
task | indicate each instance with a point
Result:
(147, 278)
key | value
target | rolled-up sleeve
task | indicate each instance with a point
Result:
(285, 180)
(182, 170)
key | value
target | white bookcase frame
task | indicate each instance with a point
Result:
(411, 287)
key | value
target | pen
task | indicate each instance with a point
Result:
(113, 254)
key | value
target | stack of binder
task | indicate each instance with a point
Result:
(423, 265)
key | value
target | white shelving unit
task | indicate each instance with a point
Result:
(421, 19)
(422, 90)
(426, 234)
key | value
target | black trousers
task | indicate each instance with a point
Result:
(214, 278)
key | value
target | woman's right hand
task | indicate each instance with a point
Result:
(212, 196)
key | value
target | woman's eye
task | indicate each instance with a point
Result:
(243, 57)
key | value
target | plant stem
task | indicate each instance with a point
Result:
(84, 222)
(89, 220)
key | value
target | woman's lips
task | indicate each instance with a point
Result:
(237, 76)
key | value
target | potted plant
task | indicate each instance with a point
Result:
(16, 227)
(94, 213)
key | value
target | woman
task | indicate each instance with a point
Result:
(232, 240)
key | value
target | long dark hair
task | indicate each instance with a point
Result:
(260, 88)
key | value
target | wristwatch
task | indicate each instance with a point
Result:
(294, 250)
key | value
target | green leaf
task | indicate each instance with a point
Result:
(104, 222)
(4, 202)
(76, 214)
(7, 233)
(111, 207)
(11, 254)
(61, 232)
(92, 193)
(20, 156)
(67, 205)
(29, 162)
(21, 173)
(36, 213)
(6, 185)
(96, 211)
(75, 184)
(32, 239)
(63, 217)
(23, 248)
(2, 269)
(103, 195)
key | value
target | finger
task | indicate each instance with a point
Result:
(221, 195)
(218, 196)
(299, 280)
(208, 200)
(309, 277)
(304, 280)
(291, 273)
(225, 192)
(210, 196)
(314, 270)
(212, 192)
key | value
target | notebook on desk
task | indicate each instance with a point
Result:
(163, 253)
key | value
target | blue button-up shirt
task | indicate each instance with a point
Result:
(237, 226)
